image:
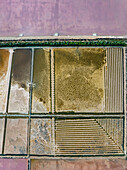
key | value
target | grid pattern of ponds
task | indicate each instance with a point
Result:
(62, 102)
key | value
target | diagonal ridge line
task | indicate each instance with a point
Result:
(108, 134)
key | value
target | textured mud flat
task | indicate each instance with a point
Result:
(41, 81)
(40, 142)
(16, 136)
(79, 79)
(93, 164)
(19, 94)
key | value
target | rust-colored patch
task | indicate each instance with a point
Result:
(79, 79)
(4, 58)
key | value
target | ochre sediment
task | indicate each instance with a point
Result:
(41, 81)
(79, 76)
(4, 58)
